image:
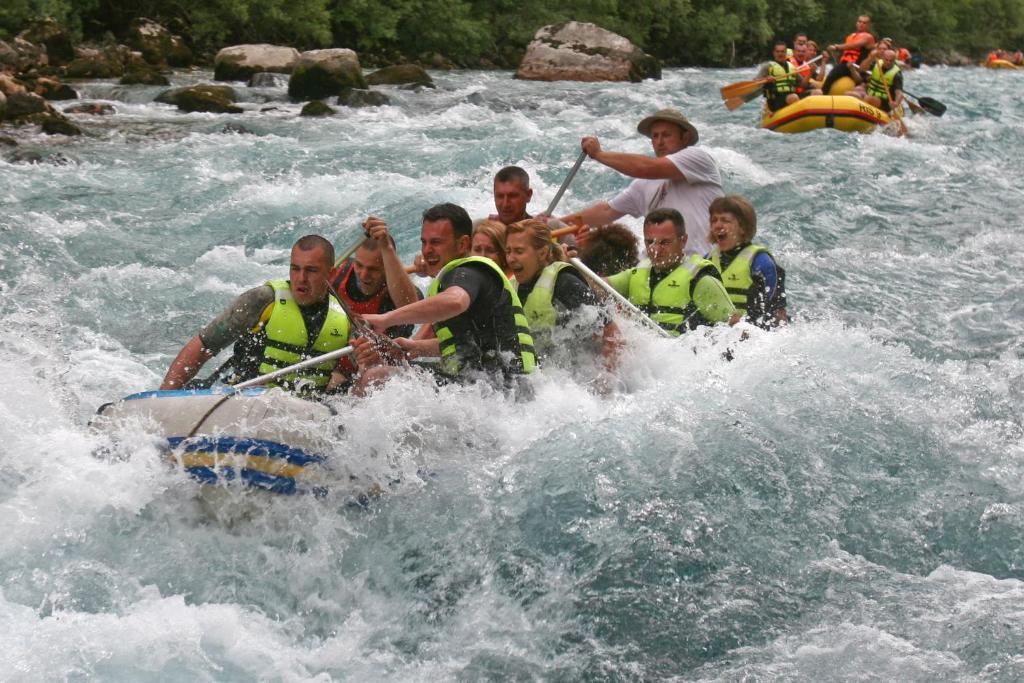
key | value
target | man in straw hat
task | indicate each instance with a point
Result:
(680, 177)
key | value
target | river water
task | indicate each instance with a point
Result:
(842, 501)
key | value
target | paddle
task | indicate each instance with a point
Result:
(565, 183)
(343, 256)
(623, 301)
(271, 376)
(747, 90)
(930, 105)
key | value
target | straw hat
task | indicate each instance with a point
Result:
(672, 116)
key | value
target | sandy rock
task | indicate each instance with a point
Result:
(577, 51)
(240, 62)
(322, 73)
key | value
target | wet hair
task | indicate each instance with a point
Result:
(495, 231)
(777, 42)
(739, 207)
(310, 242)
(661, 215)
(540, 236)
(370, 244)
(610, 249)
(799, 35)
(462, 225)
(510, 173)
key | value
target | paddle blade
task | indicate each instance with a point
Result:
(742, 88)
(932, 106)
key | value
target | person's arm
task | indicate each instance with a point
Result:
(444, 306)
(633, 165)
(711, 298)
(400, 287)
(867, 41)
(596, 214)
(187, 363)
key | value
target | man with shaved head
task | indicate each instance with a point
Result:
(277, 324)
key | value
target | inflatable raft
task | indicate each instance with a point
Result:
(266, 438)
(841, 112)
(1001, 64)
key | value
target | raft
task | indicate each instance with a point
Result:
(265, 438)
(840, 112)
(1001, 64)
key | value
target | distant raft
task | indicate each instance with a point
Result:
(266, 438)
(841, 112)
(1001, 64)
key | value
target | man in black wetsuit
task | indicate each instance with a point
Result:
(472, 317)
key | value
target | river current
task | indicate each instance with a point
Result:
(844, 500)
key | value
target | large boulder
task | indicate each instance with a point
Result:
(400, 74)
(107, 63)
(9, 85)
(158, 45)
(22, 105)
(56, 38)
(218, 99)
(21, 56)
(322, 73)
(577, 51)
(52, 89)
(240, 62)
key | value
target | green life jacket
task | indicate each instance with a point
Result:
(785, 77)
(539, 309)
(670, 304)
(879, 84)
(287, 340)
(737, 278)
(511, 326)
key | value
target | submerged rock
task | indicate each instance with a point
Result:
(401, 74)
(354, 97)
(93, 108)
(577, 51)
(217, 99)
(316, 108)
(323, 73)
(58, 125)
(240, 62)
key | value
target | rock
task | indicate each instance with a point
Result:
(3, 104)
(158, 45)
(217, 99)
(24, 104)
(58, 125)
(93, 108)
(236, 128)
(108, 63)
(353, 97)
(53, 89)
(316, 108)
(400, 74)
(25, 156)
(240, 62)
(20, 55)
(9, 85)
(143, 75)
(577, 51)
(56, 38)
(322, 73)
(7, 142)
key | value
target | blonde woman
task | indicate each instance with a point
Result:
(489, 242)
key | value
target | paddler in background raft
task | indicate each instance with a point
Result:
(680, 176)
(277, 324)
(851, 53)
(786, 79)
(677, 291)
(884, 81)
(755, 282)
(472, 317)
(563, 312)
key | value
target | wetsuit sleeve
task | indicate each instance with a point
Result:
(620, 282)
(572, 292)
(241, 316)
(710, 296)
(470, 277)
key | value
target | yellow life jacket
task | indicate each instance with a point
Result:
(737, 278)
(670, 304)
(785, 77)
(287, 340)
(880, 84)
(452, 346)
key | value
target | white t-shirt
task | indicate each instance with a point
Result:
(690, 197)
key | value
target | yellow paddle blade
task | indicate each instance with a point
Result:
(741, 88)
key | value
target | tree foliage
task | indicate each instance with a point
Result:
(701, 32)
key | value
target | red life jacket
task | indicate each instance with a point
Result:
(857, 54)
(339, 281)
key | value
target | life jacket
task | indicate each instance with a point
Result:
(539, 306)
(879, 84)
(670, 304)
(511, 327)
(804, 70)
(903, 55)
(737, 278)
(287, 340)
(340, 283)
(856, 54)
(785, 77)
